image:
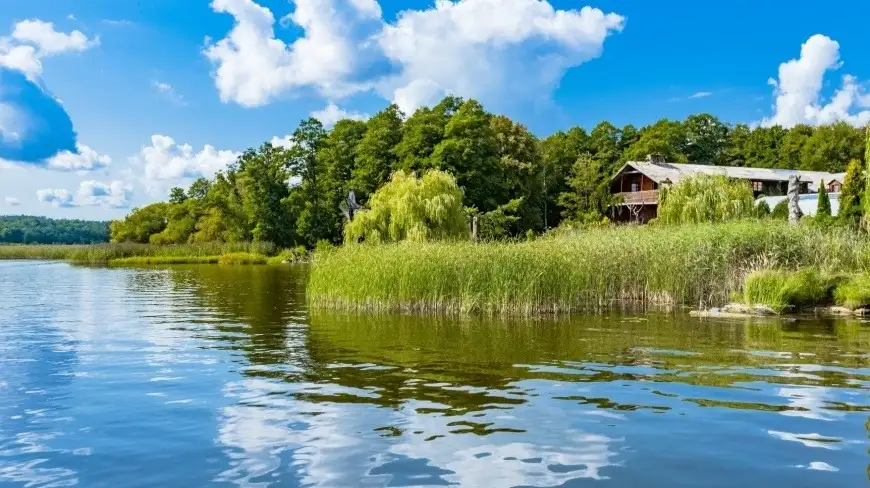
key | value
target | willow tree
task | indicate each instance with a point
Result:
(706, 199)
(411, 208)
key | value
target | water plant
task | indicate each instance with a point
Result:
(854, 292)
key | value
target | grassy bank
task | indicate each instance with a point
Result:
(698, 265)
(134, 253)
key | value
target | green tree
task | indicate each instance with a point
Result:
(824, 206)
(338, 156)
(469, 151)
(262, 185)
(831, 147)
(520, 160)
(308, 205)
(792, 146)
(411, 208)
(422, 132)
(587, 197)
(376, 158)
(140, 224)
(706, 139)
(199, 188)
(762, 147)
(706, 199)
(852, 194)
(735, 148)
(665, 138)
(177, 195)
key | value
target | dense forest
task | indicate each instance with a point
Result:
(41, 230)
(295, 196)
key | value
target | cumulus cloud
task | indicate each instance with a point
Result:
(331, 114)
(286, 142)
(83, 159)
(252, 66)
(166, 91)
(114, 194)
(167, 162)
(488, 49)
(798, 89)
(34, 126)
(12, 201)
(32, 40)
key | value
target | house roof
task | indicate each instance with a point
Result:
(808, 203)
(838, 177)
(674, 172)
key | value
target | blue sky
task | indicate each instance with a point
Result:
(107, 104)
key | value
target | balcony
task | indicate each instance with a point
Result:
(647, 197)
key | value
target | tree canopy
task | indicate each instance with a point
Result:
(22, 229)
(506, 174)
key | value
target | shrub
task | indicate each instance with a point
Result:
(854, 292)
(824, 208)
(780, 290)
(706, 199)
(780, 210)
(762, 210)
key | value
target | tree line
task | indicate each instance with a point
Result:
(15, 229)
(296, 196)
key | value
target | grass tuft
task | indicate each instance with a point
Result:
(781, 290)
(854, 292)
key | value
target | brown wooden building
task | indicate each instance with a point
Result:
(637, 184)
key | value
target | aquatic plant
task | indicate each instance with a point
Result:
(700, 265)
(854, 292)
(102, 253)
(780, 290)
(242, 258)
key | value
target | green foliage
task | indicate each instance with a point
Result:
(762, 210)
(706, 199)
(177, 195)
(587, 190)
(140, 224)
(854, 292)
(780, 210)
(824, 207)
(411, 208)
(497, 223)
(852, 195)
(706, 139)
(831, 147)
(296, 255)
(691, 264)
(41, 230)
(376, 158)
(781, 290)
(665, 138)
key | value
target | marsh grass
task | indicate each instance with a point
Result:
(781, 290)
(697, 265)
(854, 292)
(104, 253)
(242, 258)
(155, 260)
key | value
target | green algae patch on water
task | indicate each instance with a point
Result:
(700, 265)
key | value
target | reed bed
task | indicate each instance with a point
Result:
(104, 253)
(242, 258)
(698, 265)
(155, 260)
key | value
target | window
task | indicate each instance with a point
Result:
(757, 186)
(635, 187)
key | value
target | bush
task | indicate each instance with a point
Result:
(242, 258)
(780, 290)
(854, 292)
(780, 210)
(762, 210)
(296, 255)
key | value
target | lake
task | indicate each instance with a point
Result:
(193, 376)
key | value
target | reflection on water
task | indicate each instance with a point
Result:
(211, 375)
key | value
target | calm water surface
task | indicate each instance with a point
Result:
(211, 375)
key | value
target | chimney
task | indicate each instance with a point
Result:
(655, 158)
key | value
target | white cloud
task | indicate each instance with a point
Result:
(56, 196)
(12, 201)
(115, 194)
(166, 91)
(700, 94)
(487, 49)
(799, 86)
(252, 66)
(286, 142)
(331, 114)
(86, 160)
(119, 22)
(165, 161)
(32, 40)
